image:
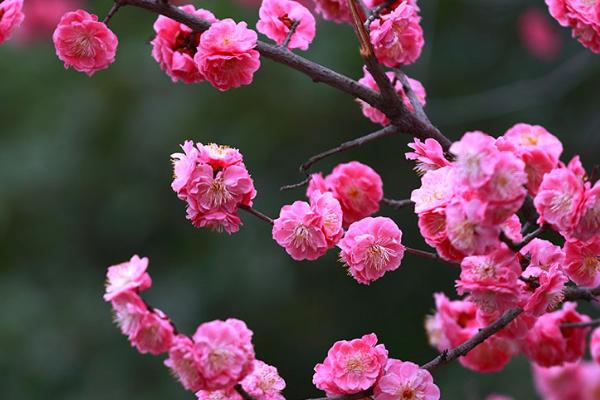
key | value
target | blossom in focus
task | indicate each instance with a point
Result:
(127, 276)
(226, 56)
(84, 43)
(405, 380)
(371, 247)
(351, 366)
(277, 17)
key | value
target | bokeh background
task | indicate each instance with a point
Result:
(85, 183)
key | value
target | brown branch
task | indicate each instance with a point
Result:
(375, 11)
(113, 10)
(426, 254)
(397, 204)
(412, 97)
(356, 396)
(530, 236)
(575, 293)
(589, 324)
(351, 144)
(257, 214)
(483, 334)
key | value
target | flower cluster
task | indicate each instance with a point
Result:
(583, 17)
(210, 363)
(306, 231)
(175, 46)
(148, 329)
(214, 182)
(278, 17)
(360, 364)
(84, 43)
(356, 186)
(397, 37)
(375, 115)
(11, 17)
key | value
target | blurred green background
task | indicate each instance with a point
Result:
(85, 183)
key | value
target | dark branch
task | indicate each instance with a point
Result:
(483, 334)
(425, 254)
(375, 11)
(245, 395)
(575, 293)
(257, 214)
(113, 10)
(352, 144)
(397, 204)
(589, 324)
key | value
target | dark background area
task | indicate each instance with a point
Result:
(85, 183)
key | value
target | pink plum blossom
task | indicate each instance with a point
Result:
(333, 10)
(223, 353)
(511, 227)
(397, 37)
(428, 154)
(351, 366)
(543, 254)
(538, 35)
(549, 292)
(476, 159)
(264, 383)
(183, 363)
(299, 230)
(536, 147)
(582, 17)
(214, 182)
(435, 192)
(128, 276)
(371, 247)
(405, 380)
(277, 17)
(155, 333)
(548, 344)
(175, 46)
(226, 55)
(582, 262)
(467, 229)
(11, 17)
(330, 211)
(588, 226)
(559, 198)
(225, 394)
(375, 115)
(129, 309)
(358, 188)
(560, 382)
(84, 43)
(491, 280)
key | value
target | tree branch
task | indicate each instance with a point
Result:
(590, 324)
(575, 293)
(288, 38)
(480, 337)
(257, 214)
(242, 392)
(351, 144)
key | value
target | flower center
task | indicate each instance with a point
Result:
(407, 393)
(287, 21)
(300, 235)
(218, 193)
(529, 139)
(485, 270)
(591, 264)
(219, 358)
(561, 203)
(355, 365)
(187, 42)
(81, 46)
(378, 256)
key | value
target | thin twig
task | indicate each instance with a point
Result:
(530, 236)
(288, 38)
(375, 11)
(589, 324)
(257, 214)
(425, 254)
(476, 340)
(397, 204)
(351, 144)
(242, 392)
(412, 97)
(113, 10)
